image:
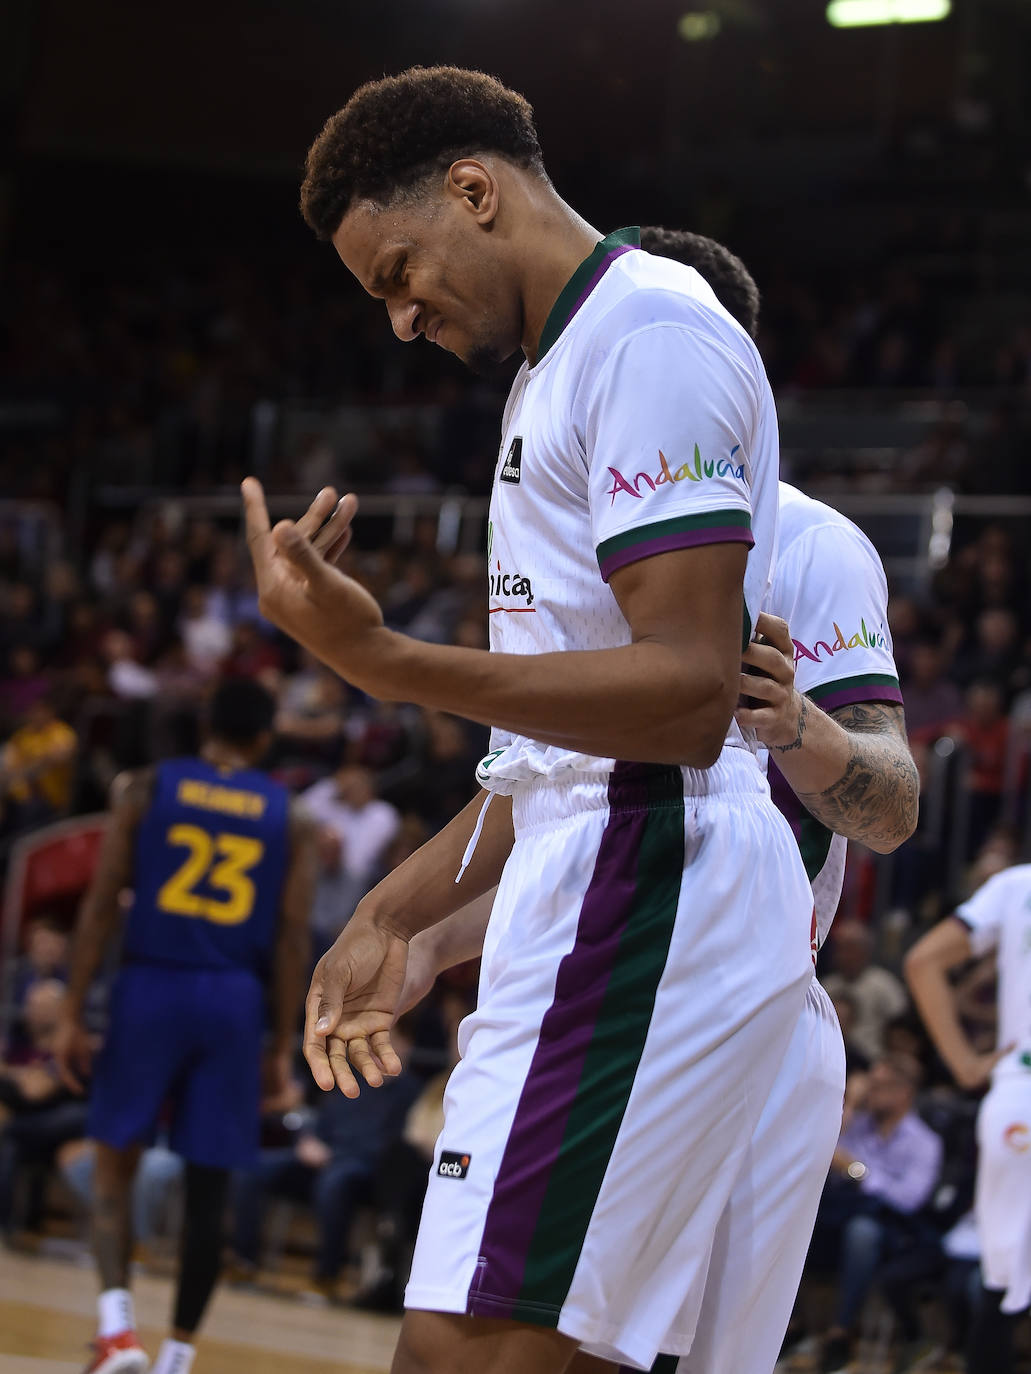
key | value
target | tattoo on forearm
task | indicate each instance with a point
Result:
(875, 800)
(796, 743)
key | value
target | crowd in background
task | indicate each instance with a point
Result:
(109, 650)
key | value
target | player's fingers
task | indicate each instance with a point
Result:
(255, 512)
(337, 529)
(762, 688)
(344, 1078)
(363, 1061)
(318, 513)
(753, 720)
(292, 544)
(383, 1049)
(334, 554)
(768, 660)
(314, 1050)
(776, 632)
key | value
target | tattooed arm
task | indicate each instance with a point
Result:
(851, 769)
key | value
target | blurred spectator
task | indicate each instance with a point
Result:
(356, 829)
(37, 1114)
(331, 1167)
(878, 996)
(37, 768)
(984, 730)
(206, 638)
(932, 701)
(883, 1173)
(45, 939)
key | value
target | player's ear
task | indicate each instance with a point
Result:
(476, 186)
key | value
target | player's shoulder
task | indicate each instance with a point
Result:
(645, 293)
(1016, 878)
(811, 527)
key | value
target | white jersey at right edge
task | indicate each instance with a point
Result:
(998, 917)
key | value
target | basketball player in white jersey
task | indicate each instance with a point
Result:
(997, 917)
(835, 720)
(648, 953)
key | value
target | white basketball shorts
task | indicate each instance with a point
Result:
(644, 970)
(1002, 1203)
(764, 1234)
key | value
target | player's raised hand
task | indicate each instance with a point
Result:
(300, 589)
(351, 1006)
(773, 707)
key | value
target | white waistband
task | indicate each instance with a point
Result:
(541, 801)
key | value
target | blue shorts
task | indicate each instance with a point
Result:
(190, 1039)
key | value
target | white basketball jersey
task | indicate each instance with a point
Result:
(647, 424)
(998, 916)
(829, 585)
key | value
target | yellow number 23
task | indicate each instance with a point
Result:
(225, 862)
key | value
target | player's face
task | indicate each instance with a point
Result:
(439, 274)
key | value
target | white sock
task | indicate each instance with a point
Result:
(174, 1357)
(115, 1312)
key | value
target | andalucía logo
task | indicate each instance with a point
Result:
(864, 638)
(696, 471)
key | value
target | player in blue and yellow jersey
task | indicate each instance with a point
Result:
(222, 868)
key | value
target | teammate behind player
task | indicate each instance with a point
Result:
(222, 866)
(997, 917)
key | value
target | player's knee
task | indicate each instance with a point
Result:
(423, 1347)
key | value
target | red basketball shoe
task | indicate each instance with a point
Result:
(121, 1354)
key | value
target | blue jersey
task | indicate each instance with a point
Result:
(211, 857)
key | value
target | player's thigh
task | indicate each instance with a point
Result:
(218, 1107)
(448, 1343)
(1003, 1200)
(764, 1233)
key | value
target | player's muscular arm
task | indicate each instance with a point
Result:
(851, 769)
(99, 916)
(293, 940)
(667, 697)
(926, 968)
(357, 987)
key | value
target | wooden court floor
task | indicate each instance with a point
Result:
(48, 1312)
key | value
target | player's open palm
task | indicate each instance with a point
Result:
(300, 588)
(351, 1006)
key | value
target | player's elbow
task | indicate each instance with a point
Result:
(703, 719)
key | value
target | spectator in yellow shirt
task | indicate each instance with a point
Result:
(37, 767)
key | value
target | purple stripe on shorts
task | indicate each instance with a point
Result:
(867, 692)
(551, 1084)
(599, 272)
(682, 539)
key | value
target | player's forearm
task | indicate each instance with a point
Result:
(458, 937)
(98, 920)
(934, 1000)
(857, 777)
(422, 891)
(292, 956)
(646, 701)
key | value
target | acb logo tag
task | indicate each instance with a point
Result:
(453, 1165)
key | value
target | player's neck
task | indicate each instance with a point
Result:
(557, 244)
(224, 756)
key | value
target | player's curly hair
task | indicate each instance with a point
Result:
(729, 278)
(394, 133)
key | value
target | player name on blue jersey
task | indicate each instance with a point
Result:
(211, 856)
